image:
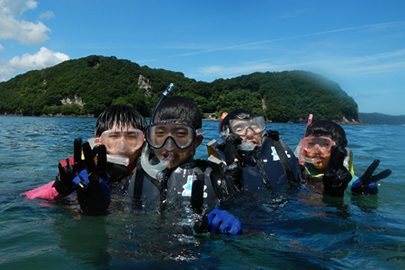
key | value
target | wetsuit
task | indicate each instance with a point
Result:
(266, 167)
(312, 175)
(194, 185)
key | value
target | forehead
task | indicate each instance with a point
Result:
(171, 121)
(121, 126)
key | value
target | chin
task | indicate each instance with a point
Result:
(320, 167)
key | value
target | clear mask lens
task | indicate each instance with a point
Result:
(322, 144)
(122, 140)
(171, 135)
(240, 126)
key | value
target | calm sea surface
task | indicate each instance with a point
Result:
(296, 231)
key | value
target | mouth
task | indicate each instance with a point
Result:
(254, 142)
(168, 156)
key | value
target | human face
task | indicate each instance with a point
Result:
(250, 130)
(122, 141)
(174, 142)
(318, 148)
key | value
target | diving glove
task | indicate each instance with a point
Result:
(93, 192)
(367, 183)
(336, 177)
(68, 169)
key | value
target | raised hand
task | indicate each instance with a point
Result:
(336, 177)
(93, 191)
(233, 160)
(231, 153)
(68, 169)
(367, 183)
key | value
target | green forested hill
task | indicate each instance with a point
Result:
(88, 85)
(381, 119)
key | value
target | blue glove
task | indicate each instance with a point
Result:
(93, 192)
(366, 184)
(223, 222)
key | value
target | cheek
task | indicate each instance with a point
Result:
(309, 154)
(158, 152)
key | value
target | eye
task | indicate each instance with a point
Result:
(132, 136)
(238, 129)
(113, 135)
(181, 132)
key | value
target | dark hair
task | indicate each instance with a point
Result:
(236, 114)
(178, 110)
(329, 129)
(122, 115)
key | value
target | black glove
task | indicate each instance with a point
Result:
(231, 153)
(68, 169)
(93, 192)
(336, 177)
(233, 168)
(366, 184)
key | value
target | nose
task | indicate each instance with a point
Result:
(249, 133)
(317, 148)
(169, 144)
(123, 145)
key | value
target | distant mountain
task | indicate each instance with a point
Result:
(381, 119)
(87, 85)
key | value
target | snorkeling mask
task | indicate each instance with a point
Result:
(121, 140)
(240, 126)
(313, 143)
(181, 135)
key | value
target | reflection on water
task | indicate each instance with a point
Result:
(299, 229)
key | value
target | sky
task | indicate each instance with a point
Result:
(358, 44)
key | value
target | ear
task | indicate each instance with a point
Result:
(198, 140)
(97, 141)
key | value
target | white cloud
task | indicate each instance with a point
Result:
(43, 58)
(1, 48)
(23, 31)
(46, 15)
(16, 7)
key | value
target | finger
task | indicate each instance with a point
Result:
(77, 150)
(70, 161)
(336, 159)
(369, 172)
(381, 175)
(89, 158)
(102, 159)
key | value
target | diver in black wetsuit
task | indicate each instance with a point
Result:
(326, 159)
(172, 178)
(255, 161)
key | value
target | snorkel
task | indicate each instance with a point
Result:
(155, 170)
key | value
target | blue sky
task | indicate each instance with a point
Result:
(358, 44)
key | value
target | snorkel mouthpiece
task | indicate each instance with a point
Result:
(246, 146)
(118, 159)
(153, 170)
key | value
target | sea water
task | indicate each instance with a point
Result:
(301, 231)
